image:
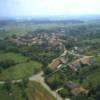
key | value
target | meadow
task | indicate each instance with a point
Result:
(23, 68)
(18, 58)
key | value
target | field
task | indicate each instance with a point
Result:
(98, 59)
(23, 69)
(29, 27)
(20, 71)
(22, 62)
(18, 58)
(33, 91)
(23, 28)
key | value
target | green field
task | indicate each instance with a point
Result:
(98, 59)
(24, 28)
(33, 91)
(23, 68)
(20, 71)
(18, 58)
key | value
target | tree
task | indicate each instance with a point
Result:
(7, 63)
(47, 71)
(64, 93)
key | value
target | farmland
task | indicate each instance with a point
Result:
(32, 91)
(14, 56)
(22, 69)
(27, 48)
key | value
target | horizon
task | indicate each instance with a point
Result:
(53, 17)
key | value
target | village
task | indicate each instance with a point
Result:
(70, 60)
(49, 49)
(61, 63)
(39, 38)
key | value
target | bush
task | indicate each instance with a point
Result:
(7, 63)
(47, 71)
(64, 93)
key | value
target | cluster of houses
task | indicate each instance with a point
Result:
(29, 41)
(77, 64)
(40, 38)
(74, 65)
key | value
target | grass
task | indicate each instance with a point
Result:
(37, 92)
(23, 69)
(98, 59)
(20, 71)
(33, 91)
(4, 94)
(18, 58)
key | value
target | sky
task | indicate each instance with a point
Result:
(20, 8)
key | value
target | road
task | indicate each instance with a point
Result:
(39, 78)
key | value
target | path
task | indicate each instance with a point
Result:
(39, 78)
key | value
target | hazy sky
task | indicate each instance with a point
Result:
(48, 7)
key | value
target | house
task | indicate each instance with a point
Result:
(74, 66)
(71, 85)
(75, 89)
(55, 63)
(85, 60)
